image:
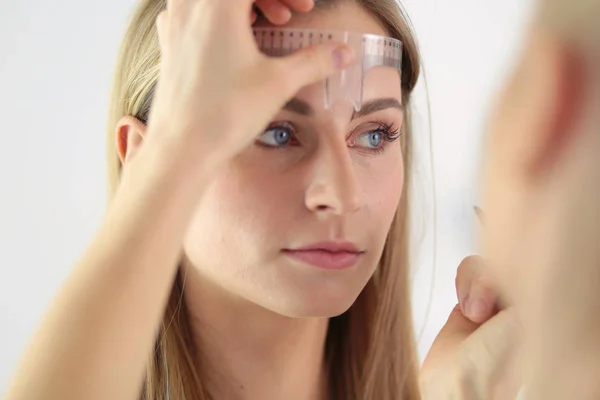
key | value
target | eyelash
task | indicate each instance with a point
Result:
(388, 132)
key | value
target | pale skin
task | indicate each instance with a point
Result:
(114, 299)
(540, 236)
(543, 149)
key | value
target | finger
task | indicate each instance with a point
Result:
(483, 297)
(456, 330)
(275, 11)
(489, 348)
(311, 65)
(300, 5)
(457, 326)
(467, 269)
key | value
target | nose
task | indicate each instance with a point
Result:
(335, 187)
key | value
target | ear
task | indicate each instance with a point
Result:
(130, 134)
(566, 81)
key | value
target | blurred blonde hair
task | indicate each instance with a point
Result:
(370, 348)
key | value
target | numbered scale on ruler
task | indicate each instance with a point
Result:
(371, 51)
(375, 50)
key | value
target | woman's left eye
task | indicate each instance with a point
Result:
(372, 140)
(376, 140)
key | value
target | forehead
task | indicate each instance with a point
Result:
(337, 15)
(379, 82)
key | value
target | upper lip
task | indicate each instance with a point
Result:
(333, 247)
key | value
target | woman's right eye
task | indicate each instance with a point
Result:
(277, 136)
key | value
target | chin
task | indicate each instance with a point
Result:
(311, 293)
(312, 310)
(322, 303)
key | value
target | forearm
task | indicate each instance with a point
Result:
(99, 332)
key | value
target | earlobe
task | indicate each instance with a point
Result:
(130, 133)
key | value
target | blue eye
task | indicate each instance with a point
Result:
(375, 138)
(370, 139)
(277, 136)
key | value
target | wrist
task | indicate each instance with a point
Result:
(164, 177)
(170, 158)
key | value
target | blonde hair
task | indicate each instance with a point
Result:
(371, 347)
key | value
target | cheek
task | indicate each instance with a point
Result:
(383, 189)
(244, 218)
(242, 209)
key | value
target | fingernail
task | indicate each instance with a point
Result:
(342, 56)
(476, 308)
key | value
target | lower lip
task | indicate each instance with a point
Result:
(325, 259)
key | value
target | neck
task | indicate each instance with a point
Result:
(251, 352)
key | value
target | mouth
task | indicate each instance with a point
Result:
(327, 255)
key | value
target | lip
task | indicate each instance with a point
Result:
(327, 255)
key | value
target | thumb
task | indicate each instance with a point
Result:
(314, 64)
(493, 341)
(490, 349)
(456, 330)
(478, 355)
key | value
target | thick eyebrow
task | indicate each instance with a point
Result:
(298, 106)
(303, 108)
(373, 106)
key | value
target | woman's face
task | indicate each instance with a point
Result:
(312, 177)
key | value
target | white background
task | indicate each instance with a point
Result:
(56, 60)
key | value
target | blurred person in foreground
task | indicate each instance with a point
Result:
(542, 209)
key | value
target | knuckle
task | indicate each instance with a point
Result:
(456, 310)
(473, 261)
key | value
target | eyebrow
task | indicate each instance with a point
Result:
(303, 108)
